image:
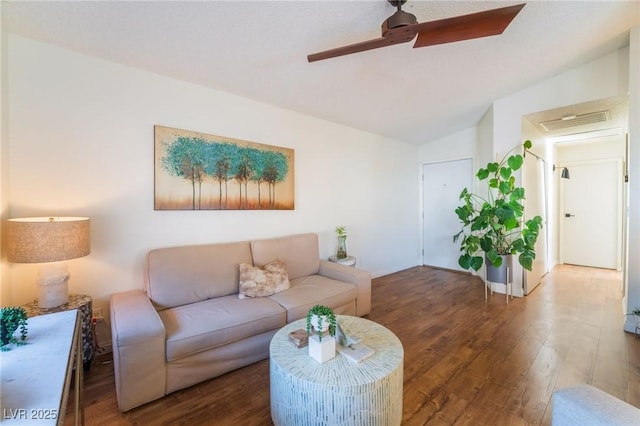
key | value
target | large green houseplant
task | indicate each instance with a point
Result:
(495, 223)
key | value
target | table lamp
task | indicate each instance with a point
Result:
(50, 241)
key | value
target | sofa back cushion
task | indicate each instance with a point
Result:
(177, 276)
(299, 253)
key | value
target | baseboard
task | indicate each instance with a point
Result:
(378, 274)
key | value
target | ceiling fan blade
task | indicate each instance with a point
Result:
(393, 36)
(466, 27)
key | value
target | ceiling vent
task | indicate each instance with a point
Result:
(575, 120)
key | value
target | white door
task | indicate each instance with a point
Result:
(591, 214)
(442, 184)
(535, 204)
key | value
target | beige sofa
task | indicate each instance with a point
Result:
(189, 324)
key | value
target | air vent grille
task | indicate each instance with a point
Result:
(578, 120)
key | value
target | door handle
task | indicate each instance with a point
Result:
(569, 215)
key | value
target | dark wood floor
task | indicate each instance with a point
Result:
(467, 361)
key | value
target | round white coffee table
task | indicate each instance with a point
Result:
(337, 392)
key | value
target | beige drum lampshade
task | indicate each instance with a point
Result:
(50, 241)
(47, 239)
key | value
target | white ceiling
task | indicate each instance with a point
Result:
(257, 49)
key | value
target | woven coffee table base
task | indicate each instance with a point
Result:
(338, 392)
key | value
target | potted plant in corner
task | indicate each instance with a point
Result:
(495, 223)
(12, 318)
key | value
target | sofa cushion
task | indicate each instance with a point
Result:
(212, 323)
(261, 282)
(314, 290)
(178, 276)
(299, 252)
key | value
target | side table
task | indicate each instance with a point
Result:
(83, 304)
(347, 261)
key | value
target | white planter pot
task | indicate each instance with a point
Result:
(320, 324)
(322, 351)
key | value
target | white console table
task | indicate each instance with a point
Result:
(36, 377)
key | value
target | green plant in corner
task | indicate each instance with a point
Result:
(12, 318)
(317, 312)
(495, 224)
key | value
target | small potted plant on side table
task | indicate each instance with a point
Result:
(341, 232)
(12, 318)
(322, 319)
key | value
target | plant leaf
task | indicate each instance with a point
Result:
(515, 161)
(505, 172)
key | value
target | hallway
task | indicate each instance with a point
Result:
(583, 305)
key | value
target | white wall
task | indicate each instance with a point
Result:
(453, 147)
(602, 78)
(632, 274)
(80, 139)
(5, 293)
(595, 149)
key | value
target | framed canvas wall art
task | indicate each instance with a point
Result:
(196, 171)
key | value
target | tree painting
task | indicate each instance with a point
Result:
(194, 171)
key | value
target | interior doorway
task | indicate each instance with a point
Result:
(572, 135)
(591, 214)
(442, 183)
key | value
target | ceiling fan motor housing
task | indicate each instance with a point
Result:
(397, 3)
(401, 19)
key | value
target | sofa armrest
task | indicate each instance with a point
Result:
(587, 405)
(360, 278)
(138, 339)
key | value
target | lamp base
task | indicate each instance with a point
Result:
(53, 285)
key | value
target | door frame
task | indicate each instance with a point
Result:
(619, 206)
(528, 287)
(421, 193)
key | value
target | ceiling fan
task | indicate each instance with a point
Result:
(402, 27)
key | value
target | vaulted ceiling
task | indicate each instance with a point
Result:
(258, 49)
